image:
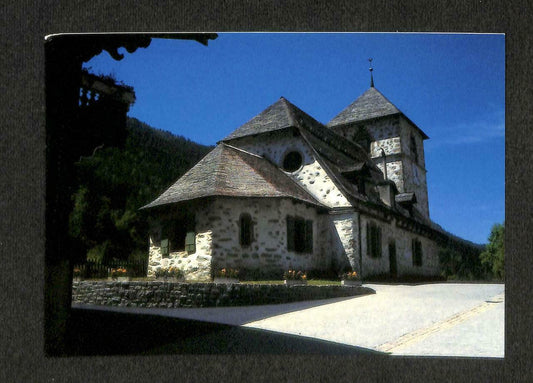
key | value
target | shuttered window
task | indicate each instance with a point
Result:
(308, 236)
(164, 248)
(414, 151)
(190, 242)
(417, 252)
(290, 233)
(373, 240)
(245, 234)
(299, 235)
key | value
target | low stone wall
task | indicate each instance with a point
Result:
(174, 294)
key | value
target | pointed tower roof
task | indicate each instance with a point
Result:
(371, 104)
(215, 175)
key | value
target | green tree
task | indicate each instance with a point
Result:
(493, 258)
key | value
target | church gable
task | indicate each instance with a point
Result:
(290, 152)
(303, 148)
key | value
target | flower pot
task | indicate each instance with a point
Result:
(348, 282)
(76, 279)
(225, 280)
(123, 279)
(294, 282)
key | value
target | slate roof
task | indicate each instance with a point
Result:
(371, 104)
(335, 151)
(229, 171)
(277, 116)
(283, 114)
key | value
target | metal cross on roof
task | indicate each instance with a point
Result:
(371, 70)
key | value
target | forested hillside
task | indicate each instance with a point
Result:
(113, 184)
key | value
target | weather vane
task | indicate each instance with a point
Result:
(371, 70)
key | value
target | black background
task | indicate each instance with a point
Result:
(22, 171)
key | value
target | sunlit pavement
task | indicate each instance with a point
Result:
(441, 319)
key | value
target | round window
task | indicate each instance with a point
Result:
(292, 161)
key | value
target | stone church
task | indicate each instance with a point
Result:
(286, 191)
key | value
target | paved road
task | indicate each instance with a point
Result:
(434, 319)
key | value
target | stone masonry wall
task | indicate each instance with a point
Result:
(385, 133)
(174, 295)
(196, 266)
(268, 249)
(311, 175)
(414, 174)
(395, 172)
(378, 129)
(404, 257)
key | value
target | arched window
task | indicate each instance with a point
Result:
(245, 225)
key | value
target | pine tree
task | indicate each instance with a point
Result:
(493, 258)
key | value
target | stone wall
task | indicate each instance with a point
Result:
(379, 129)
(196, 266)
(393, 134)
(268, 250)
(174, 295)
(414, 173)
(404, 257)
(395, 172)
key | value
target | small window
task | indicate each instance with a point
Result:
(174, 232)
(414, 151)
(292, 161)
(164, 248)
(299, 235)
(245, 234)
(373, 240)
(190, 242)
(417, 252)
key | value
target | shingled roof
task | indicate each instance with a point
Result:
(283, 114)
(371, 104)
(277, 116)
(228, 171)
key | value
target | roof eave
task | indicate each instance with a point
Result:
(188, 200)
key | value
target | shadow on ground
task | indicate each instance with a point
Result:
(231, 315)
(95, 332)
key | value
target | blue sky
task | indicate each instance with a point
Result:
(451, 85)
